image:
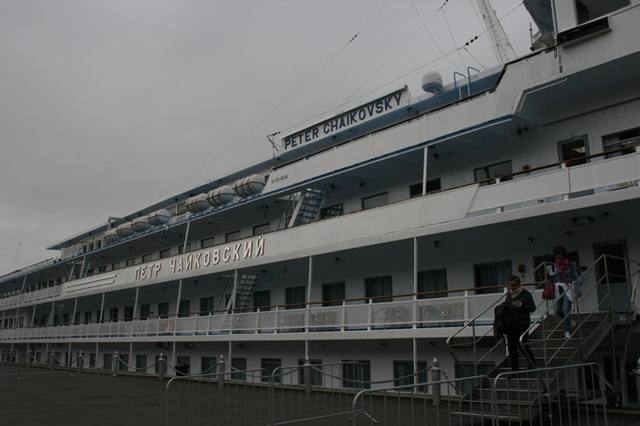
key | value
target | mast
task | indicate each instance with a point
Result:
(499, 40)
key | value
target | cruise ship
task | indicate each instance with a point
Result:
(384, 234)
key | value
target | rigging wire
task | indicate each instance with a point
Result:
(238, 139)
(446, 21)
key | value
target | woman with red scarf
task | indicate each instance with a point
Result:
(564, 274)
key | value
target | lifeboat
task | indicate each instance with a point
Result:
(249, 186)
(111, 236)
(159, 217)
(125, 230)
(197, 204)
(221, 195)
(141, 224)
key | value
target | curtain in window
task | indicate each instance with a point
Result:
(378, 286)
(435, 280)
(293, 296)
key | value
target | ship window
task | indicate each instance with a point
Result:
(261, 229)
(99, 315)
(163, 309)
(239, 364)
(333, 293)
(115, 265)
(377, 287)
(141, 363)
(492, 274)
(113, 314)
(621, 142)
(102, 269)
(465, 369)
(375, 200)
(492, 172)
(403, 373)
(87, 317)
(591, 9)
(232, 236)
(147, 258)
(206, 305)
(415, 190)
(573, 151)
(208, 242)
(294, 297)
(335, 210)
(181, 208)
(316, 376)
(130, 262)
(123, 364)
(268, 366)
(185, 308)
(128, 313)
(165, 253)
(356, 374)
(182, 248)
(145, 311)
(207, 365)
(429, 281)
(261, 299)
(183, 365)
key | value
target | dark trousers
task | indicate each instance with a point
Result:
(513, 343)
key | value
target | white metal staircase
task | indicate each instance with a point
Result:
(521, 397)
(307, 207)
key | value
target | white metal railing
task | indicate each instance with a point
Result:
(442, 312)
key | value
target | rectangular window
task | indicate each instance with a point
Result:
(113, 314)
(141, 363)
(165, 253)
(184, 249)
(232, 236)
(261, 229)
(115, 265)
(128, 313)
(316, 376)
(415, 190)
(494, 171)
(465, 369)
(490, 275)
(403, 373)
(239, 365)
(332, 293)
(183, 365)
(87, 317)
(147, 257)
(573, 151)
(268, 366)
(163, 309)
(102, 269)
(145, 311)
(206, 305)
(375, 201)
(123, 362)
(432, 281)
(207, 365)
(185, 308)
(591, 9)
(181, 208)
(261, 299)
(335, 210)
(208, 242)
(356, 375)
(130, 262)
(621, 142)
(295, 297)
(378, 286)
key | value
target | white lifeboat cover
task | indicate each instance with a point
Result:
(197, 203)
(248, 186)
(141, 224)
(111, 236)
(125, 230)
(221, 195)
(159, 217)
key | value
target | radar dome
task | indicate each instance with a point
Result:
(432, 82)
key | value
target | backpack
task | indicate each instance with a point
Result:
(501, 321)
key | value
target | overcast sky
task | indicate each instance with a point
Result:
(109, 106)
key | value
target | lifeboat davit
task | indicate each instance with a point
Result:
(249, 186)
(159, 217)
(221, 195)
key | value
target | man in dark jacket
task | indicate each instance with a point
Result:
(520, 304)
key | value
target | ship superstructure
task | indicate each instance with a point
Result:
(374, 235)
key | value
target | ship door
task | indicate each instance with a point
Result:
(613, 276)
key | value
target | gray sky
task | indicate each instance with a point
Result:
(109, 106)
